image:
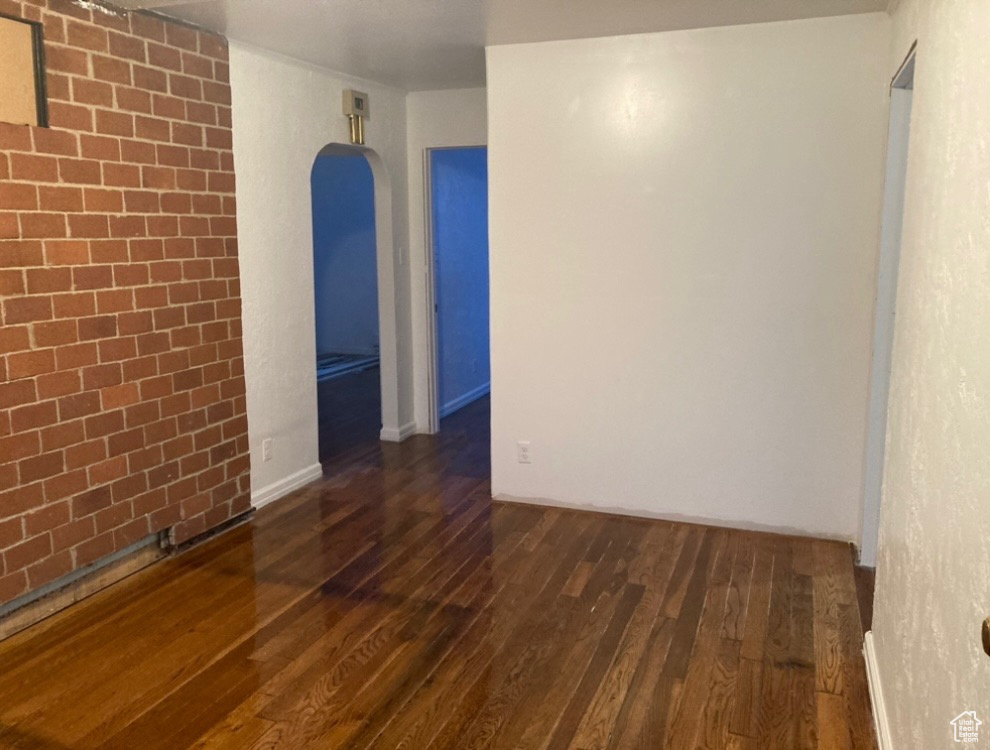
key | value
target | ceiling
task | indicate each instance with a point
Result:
(439, 44)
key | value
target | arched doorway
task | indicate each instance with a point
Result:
(354, 278)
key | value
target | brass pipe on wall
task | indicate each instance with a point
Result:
(357, 129)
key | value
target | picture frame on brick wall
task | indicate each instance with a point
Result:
(23, 98)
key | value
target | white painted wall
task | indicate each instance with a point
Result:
(284, 112)
(684, 229)
(435, 119)
(932, 585)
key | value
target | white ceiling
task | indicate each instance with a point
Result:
(439, 44)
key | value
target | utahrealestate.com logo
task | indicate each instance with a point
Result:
(966, 727)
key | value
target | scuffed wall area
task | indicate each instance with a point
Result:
(932, 585)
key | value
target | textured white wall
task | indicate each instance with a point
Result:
(933, 590)
(284, 112)
(684, 229)
(434, 118)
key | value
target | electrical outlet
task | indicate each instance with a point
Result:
(522, 452)
(266, 449)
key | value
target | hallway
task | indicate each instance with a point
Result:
(393, 604)
(350, 414)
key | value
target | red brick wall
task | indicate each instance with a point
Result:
(122, 408)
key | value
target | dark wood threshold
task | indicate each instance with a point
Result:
(865, 583)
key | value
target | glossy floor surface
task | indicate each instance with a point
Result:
(350, 413)
(395, 606)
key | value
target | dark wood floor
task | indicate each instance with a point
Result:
(395, 606)
(866, 579)
(349, 413)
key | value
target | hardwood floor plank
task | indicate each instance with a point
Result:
(405, 728)
(802, 556)
(324, 705)
(855, 691)
(604, 712)
(737, 742)
(758, 610)
(233, 733)
(325, 652)
(355, 571)
(576, 583)
(737, 599)
(775, 728)
(834, 730)
(688, 612)
(509, 659)
(640, 709)
(546, 647)
(665, 691)
(531, 724)
(802, 652)
(444, 583)
(828, 657)
(601, 660)
(376, 712)
(746, 698)
(688, 725)
(682, 573)
(714, 734)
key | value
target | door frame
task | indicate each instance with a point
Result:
(896, 162)
(432, 343)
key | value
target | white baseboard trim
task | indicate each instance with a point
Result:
(283, 487)
(461, 401)
(876, 694)
(394, 435)
(725, 523)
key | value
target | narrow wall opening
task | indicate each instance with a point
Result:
(898, 137)
(458, 222)
(345, 273)
(386, 265)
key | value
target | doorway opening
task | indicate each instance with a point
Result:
(345, 265)
(898, 138)
(457, 181)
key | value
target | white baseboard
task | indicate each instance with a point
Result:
(283, 487)
(393, 435)
(725, 523)
(461, 401)
(876, 694)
